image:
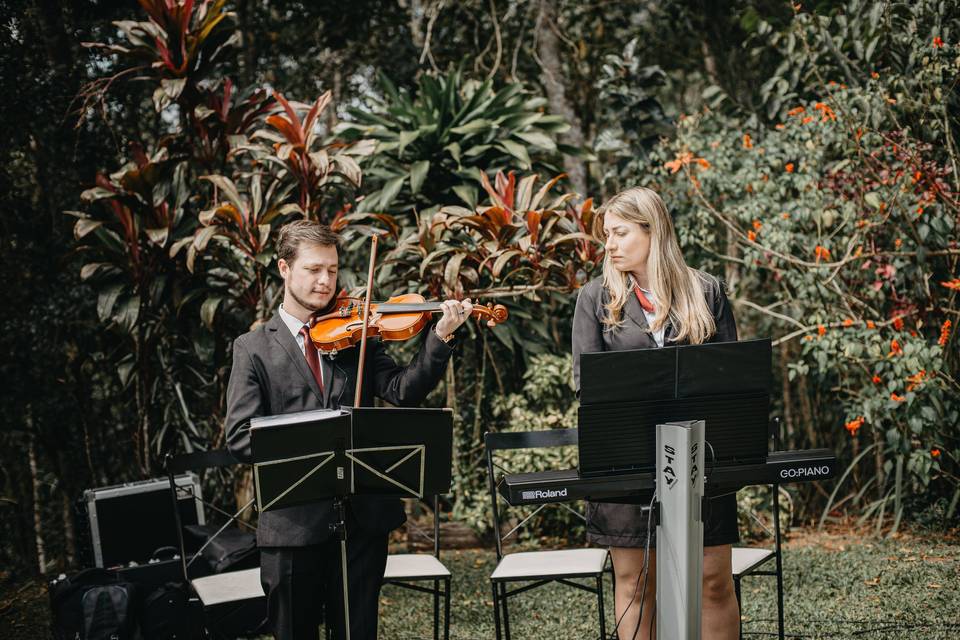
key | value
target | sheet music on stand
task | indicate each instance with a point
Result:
(311, 456)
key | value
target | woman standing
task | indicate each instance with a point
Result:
(648, 297)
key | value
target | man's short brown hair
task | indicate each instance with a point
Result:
(299, 231)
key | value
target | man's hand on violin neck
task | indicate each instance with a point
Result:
(455, 313)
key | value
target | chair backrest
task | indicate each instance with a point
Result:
(199, 461)
(512, 441)
(413, 530)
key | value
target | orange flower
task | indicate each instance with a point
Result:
(854, 425)
(806, 120)
(704, 164)
(895, 348)
(848, 322)
(780, 126)
(747, 141)
(751, 236)
(896, 398)
(785, 215)
(877, 379)
(944, 333)
(871, 325)
(953, 285)
(821, 252)
(897, 243)
(874, 75)
(808, 338)
(821, 330)
(934, 453)
(937, 42)
(789, 167)
(756, 225)
(898, 323)
(916, 177)
(915, 380)
(795, 111)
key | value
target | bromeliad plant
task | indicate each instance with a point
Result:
(432, 147)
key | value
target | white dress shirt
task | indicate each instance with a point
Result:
(295, 325)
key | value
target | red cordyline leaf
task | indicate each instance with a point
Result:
(297, 136)
(533, 225)
(315, 111)
(225, 103)
(495, 197)
(506, 187)
(164, 54)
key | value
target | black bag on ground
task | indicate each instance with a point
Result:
(232, 550)
(166, 614)
(75, 615)
(109, 612)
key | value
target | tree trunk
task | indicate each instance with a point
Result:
(35, 482)
(548, 49)
(69, 533)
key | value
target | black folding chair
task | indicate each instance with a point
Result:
(537, 568)
(233, 602)
(406, 570)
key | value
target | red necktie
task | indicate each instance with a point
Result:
(644, 301)
(310, 352)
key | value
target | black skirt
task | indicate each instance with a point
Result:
(619, 524)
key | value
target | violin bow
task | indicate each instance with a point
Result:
(366, 320)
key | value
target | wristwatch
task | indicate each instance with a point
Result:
(442, 339)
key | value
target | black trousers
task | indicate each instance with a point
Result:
(304, 588)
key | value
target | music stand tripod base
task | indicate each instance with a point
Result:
(680, 529)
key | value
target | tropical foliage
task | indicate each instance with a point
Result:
(808, 154)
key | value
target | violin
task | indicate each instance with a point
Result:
(399, 318)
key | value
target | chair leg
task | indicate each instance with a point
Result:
(446, 610)
(603, 623)
(506, 611)
(436, 610)
(736, 590)
(496, 609)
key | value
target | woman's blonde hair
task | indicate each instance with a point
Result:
(677, 288)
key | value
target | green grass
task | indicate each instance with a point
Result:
(835, 587)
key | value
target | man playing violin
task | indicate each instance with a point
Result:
(277, 369)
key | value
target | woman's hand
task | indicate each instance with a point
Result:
(455, 313)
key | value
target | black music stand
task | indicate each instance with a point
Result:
(313, 456)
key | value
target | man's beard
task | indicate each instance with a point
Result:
(306, 305)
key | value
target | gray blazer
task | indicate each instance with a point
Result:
(590, 335)
(270, 376)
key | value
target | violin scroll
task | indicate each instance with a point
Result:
(494, 315)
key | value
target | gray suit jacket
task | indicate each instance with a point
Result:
(270, 376)
(590, 335)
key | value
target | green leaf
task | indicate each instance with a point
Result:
(390, 191)
(472, 127)
(418, 173)
(228, 189)
(451, 271)
(406, 137)
(537, 139)
(208, 310)
(88, 270)
(517, 150)
(106, 300)
(468, 194)
(84, 226)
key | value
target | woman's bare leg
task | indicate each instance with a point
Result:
(721, 615)
(628, 573)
